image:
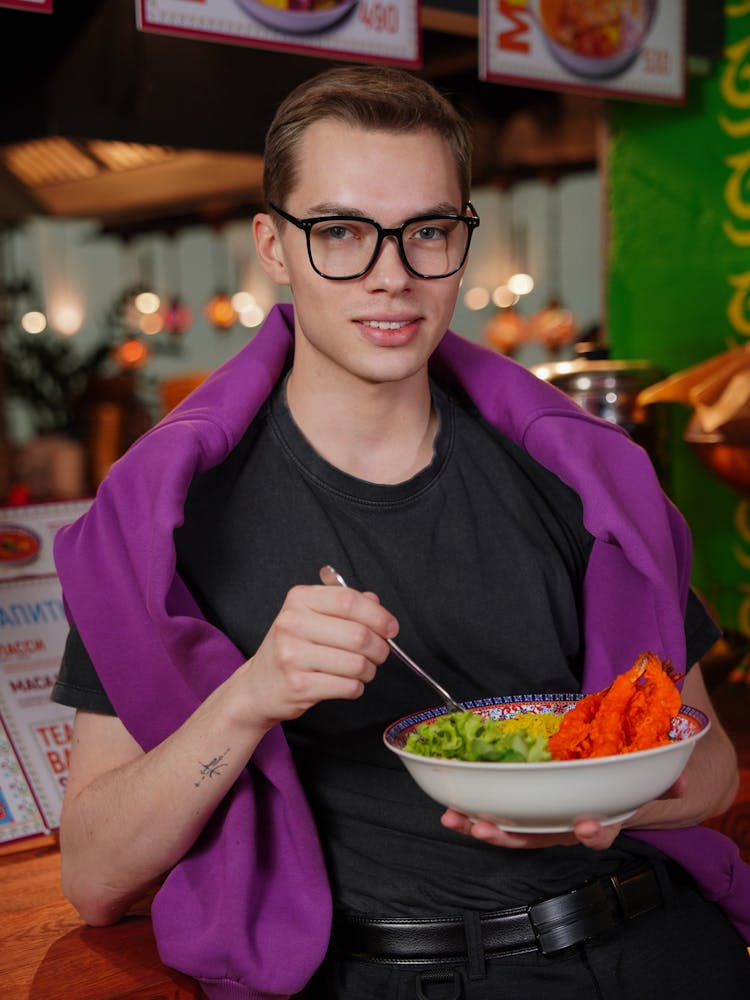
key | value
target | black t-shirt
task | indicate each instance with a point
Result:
(481, 556)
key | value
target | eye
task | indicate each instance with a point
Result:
(337, 231)
(430, 232)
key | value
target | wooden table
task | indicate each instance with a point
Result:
(47, 953)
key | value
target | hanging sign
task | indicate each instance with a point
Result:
(41, 6)
(623, 48)
(370, 30)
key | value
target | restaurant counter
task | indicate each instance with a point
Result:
(47, 953)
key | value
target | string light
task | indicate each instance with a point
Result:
(147, 303)
(220, 312)
(34, 322)
(520, 283)
(252, 316)
(66, 318)
(503, 297)
(242, 300)
(176, 316)
(131, 353)
(476, 298)
(505, 331)
(151, 324)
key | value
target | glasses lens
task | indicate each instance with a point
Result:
(341, 248)
(436, 247)
(345, 248)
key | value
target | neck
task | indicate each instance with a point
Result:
(382, 433)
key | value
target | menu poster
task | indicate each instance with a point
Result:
(625, 48)
(385, 31)
(19, 813)
(33, 629)
(41, 6)
(27, 534)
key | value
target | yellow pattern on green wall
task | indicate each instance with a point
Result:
(678, 284)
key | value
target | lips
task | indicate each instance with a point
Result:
(389, 332)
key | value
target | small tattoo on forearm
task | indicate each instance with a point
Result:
(214, 766)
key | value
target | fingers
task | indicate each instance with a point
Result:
(591, 833)
(489, 833)
(326, 643)
(588, 832)
(321, 634)
(345, 603)
(345, 625)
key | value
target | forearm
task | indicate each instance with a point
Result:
(121, 831)
(129, 816)
(709, 785)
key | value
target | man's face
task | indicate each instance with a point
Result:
(384, 326)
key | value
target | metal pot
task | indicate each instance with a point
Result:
(609, 389)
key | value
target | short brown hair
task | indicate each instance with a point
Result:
(370, 97)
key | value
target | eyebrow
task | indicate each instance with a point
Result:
(331, 208)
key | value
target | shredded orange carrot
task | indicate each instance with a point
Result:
(634, 713)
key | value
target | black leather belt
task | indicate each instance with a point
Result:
(548, 926)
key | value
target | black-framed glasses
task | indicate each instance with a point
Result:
(341, 247)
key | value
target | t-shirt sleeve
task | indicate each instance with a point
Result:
(78, 684)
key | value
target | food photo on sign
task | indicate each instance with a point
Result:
(621, 47)
(595, 39)
(298, 16)
(378, 30)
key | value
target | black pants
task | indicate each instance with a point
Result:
(687, 951)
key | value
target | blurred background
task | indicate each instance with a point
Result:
(611, 256)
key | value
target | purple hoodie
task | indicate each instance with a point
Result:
(247, 911)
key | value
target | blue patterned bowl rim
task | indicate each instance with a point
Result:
(687, 723)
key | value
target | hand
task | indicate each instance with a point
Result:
(588, 832)
(325, 643)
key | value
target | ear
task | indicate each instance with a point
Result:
(269, 248)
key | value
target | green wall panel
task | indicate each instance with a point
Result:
(678, 190)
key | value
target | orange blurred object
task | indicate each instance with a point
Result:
(173, 390)
(131, 353)
(220, 312)
(505, 331)
(718, 390)
(725, 454)
(553, 326)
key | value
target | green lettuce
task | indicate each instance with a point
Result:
(468, 736)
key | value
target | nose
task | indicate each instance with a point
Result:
(388, 269)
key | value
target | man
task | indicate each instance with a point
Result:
(512, 542)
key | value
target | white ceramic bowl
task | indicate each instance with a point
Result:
(547, 797)
(297, 22)
(635, 29)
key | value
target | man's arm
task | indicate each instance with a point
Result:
(129, 816)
